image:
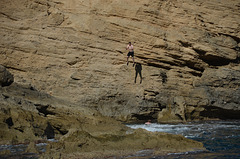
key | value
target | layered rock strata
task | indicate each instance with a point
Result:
(75, 50)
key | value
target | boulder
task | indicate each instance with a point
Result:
(175, 111)
(6, 78)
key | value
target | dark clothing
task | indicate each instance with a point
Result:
(138, 67)
(130, 54)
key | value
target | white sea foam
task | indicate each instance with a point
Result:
(191, 129)
(41, 144)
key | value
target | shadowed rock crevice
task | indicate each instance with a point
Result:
(44, 109)
(49, 132)
(220, 113)
(15, 69)
(236, 38)
(159, 65)
(144, 117)
(185, 44)
(214, 60)
(197, 70)
(9, 122)
(9, 17)
(60, 129)
(200, 52)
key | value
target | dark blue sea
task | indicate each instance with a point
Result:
(220, 138)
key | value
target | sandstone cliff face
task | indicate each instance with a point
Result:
(75, 50)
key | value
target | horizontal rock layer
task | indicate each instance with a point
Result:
(75, 50)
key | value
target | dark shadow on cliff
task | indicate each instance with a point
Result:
(138, 69)
(49, 132)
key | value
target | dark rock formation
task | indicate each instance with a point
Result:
(6, 78)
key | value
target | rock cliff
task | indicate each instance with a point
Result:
(75, 50)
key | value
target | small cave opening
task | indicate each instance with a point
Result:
(144, 117)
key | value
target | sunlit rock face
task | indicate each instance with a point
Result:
(75, 50)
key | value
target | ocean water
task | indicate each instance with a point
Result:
(18, 151)
(220, 138)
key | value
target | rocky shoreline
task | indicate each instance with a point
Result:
(28, 116)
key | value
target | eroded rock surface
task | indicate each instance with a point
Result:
(75, 50)
(29, 117)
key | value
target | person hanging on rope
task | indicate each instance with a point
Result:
(130, 52)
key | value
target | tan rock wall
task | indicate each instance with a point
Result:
(75, 50)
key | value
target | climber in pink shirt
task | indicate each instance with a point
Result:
(131, 52)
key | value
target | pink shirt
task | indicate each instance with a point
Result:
(130, 48)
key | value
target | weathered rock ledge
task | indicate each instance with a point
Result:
(29, 116)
